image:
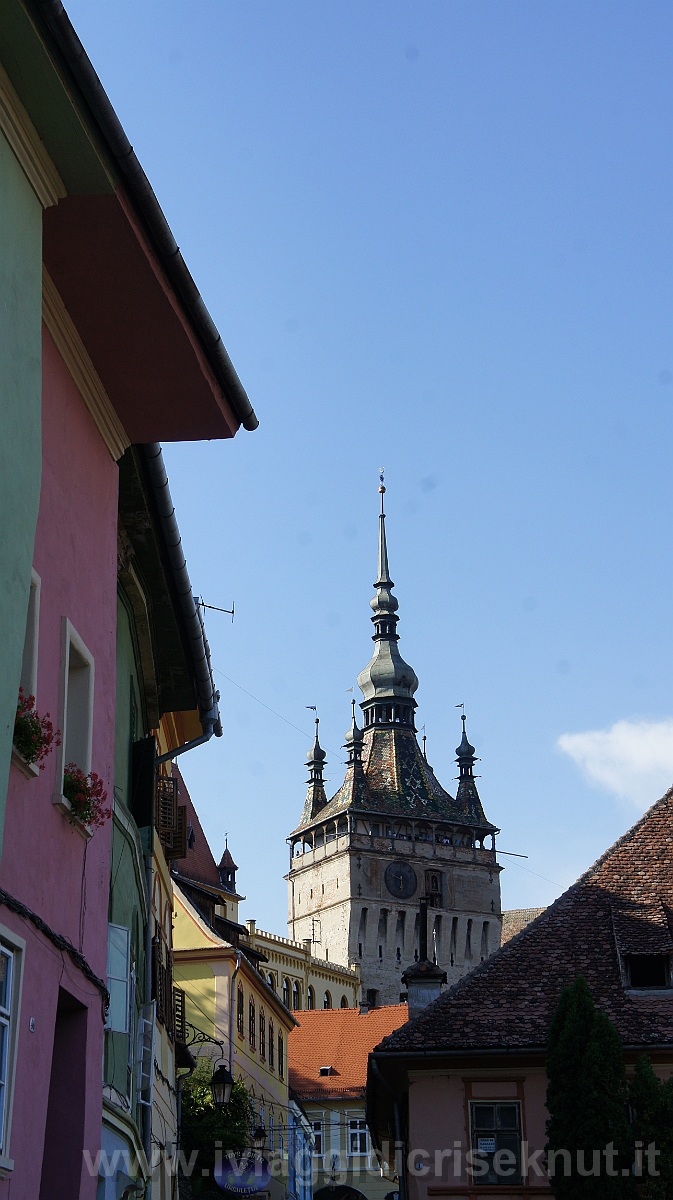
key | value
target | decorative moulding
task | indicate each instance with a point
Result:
(76, 358)
(63, 805)
(30, 770)
(28, 147)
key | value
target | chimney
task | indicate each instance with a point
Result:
(251, 927)
(422, 979)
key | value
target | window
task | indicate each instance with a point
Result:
(271, 1045)
(496, 1137)
(344, 1001)
(29, 663)
(271, 1146)
(262, 1034)
(296, 995)
(76, 708)
(118, 963)
(281, 1059)
(649, 970)
(433, 888)
(311, 998)
(252, 1023)
(286, 993)
(327, 1000)
(271, 980)
(239, 1010)
(6, 989)
(357, 1136)
(316, 1129)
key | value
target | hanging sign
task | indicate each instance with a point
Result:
(242, 1176)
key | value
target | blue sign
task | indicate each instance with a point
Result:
(242, 1176)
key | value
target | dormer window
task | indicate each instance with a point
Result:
(326, 1070)
(649, 970)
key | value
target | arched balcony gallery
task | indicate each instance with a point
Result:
(403, 836)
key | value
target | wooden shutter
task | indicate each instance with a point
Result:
(175, 844)
(145, 1055)
(180, 1015)
(166, 808)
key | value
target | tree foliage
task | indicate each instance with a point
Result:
(587, 1101)
(651, 1101)
(202, 1125)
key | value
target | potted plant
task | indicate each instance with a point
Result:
(86, 797)
(34, 736)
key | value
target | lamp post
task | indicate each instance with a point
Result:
(221, 1085)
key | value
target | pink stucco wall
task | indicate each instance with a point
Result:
(438, 1119)
(45, 862)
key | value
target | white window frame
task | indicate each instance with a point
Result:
(358, 1119)
(318, 1131)
(15, 946)
(30, 644)
(125, 979)
(29, 664)
(75, 709)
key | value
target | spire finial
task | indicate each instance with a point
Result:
(353, 742)
(383, 579)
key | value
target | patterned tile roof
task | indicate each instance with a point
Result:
(340, 1038)
(394, 778)
(625, 900)
(516, 919)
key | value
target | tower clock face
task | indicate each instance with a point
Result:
(401, 880)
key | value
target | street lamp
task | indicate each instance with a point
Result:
(259, 1138)
(221, 1084)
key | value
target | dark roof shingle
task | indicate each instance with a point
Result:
(508, 1001)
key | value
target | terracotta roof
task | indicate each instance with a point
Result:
(516, 919)
(625, 899)
(340, 1038)
(198, 864)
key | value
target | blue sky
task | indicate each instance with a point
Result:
(435, 236)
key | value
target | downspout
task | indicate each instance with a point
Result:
(399, 1141)
(231, 1011)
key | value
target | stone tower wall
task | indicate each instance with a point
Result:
(342, 903)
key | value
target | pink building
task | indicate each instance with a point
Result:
(129, 354)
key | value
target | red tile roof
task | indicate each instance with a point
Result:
(625, 900)
(516, 919)
(199, 863)
(340, 1038)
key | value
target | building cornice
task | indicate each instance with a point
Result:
(28, 147)
(76, 358)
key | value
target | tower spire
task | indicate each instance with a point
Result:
(467, 796)
(315, 761)
(387, 682)
(353, 743)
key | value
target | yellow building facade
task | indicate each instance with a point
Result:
(228, 999)
(302, 980)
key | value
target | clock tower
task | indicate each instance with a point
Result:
(360, 862)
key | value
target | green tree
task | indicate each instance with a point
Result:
(651, 1102)
(203, 1124)
(586, 1101)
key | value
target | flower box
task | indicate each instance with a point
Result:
(30, 770)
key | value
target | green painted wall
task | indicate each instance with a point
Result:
(20, 422)
(127, 882)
